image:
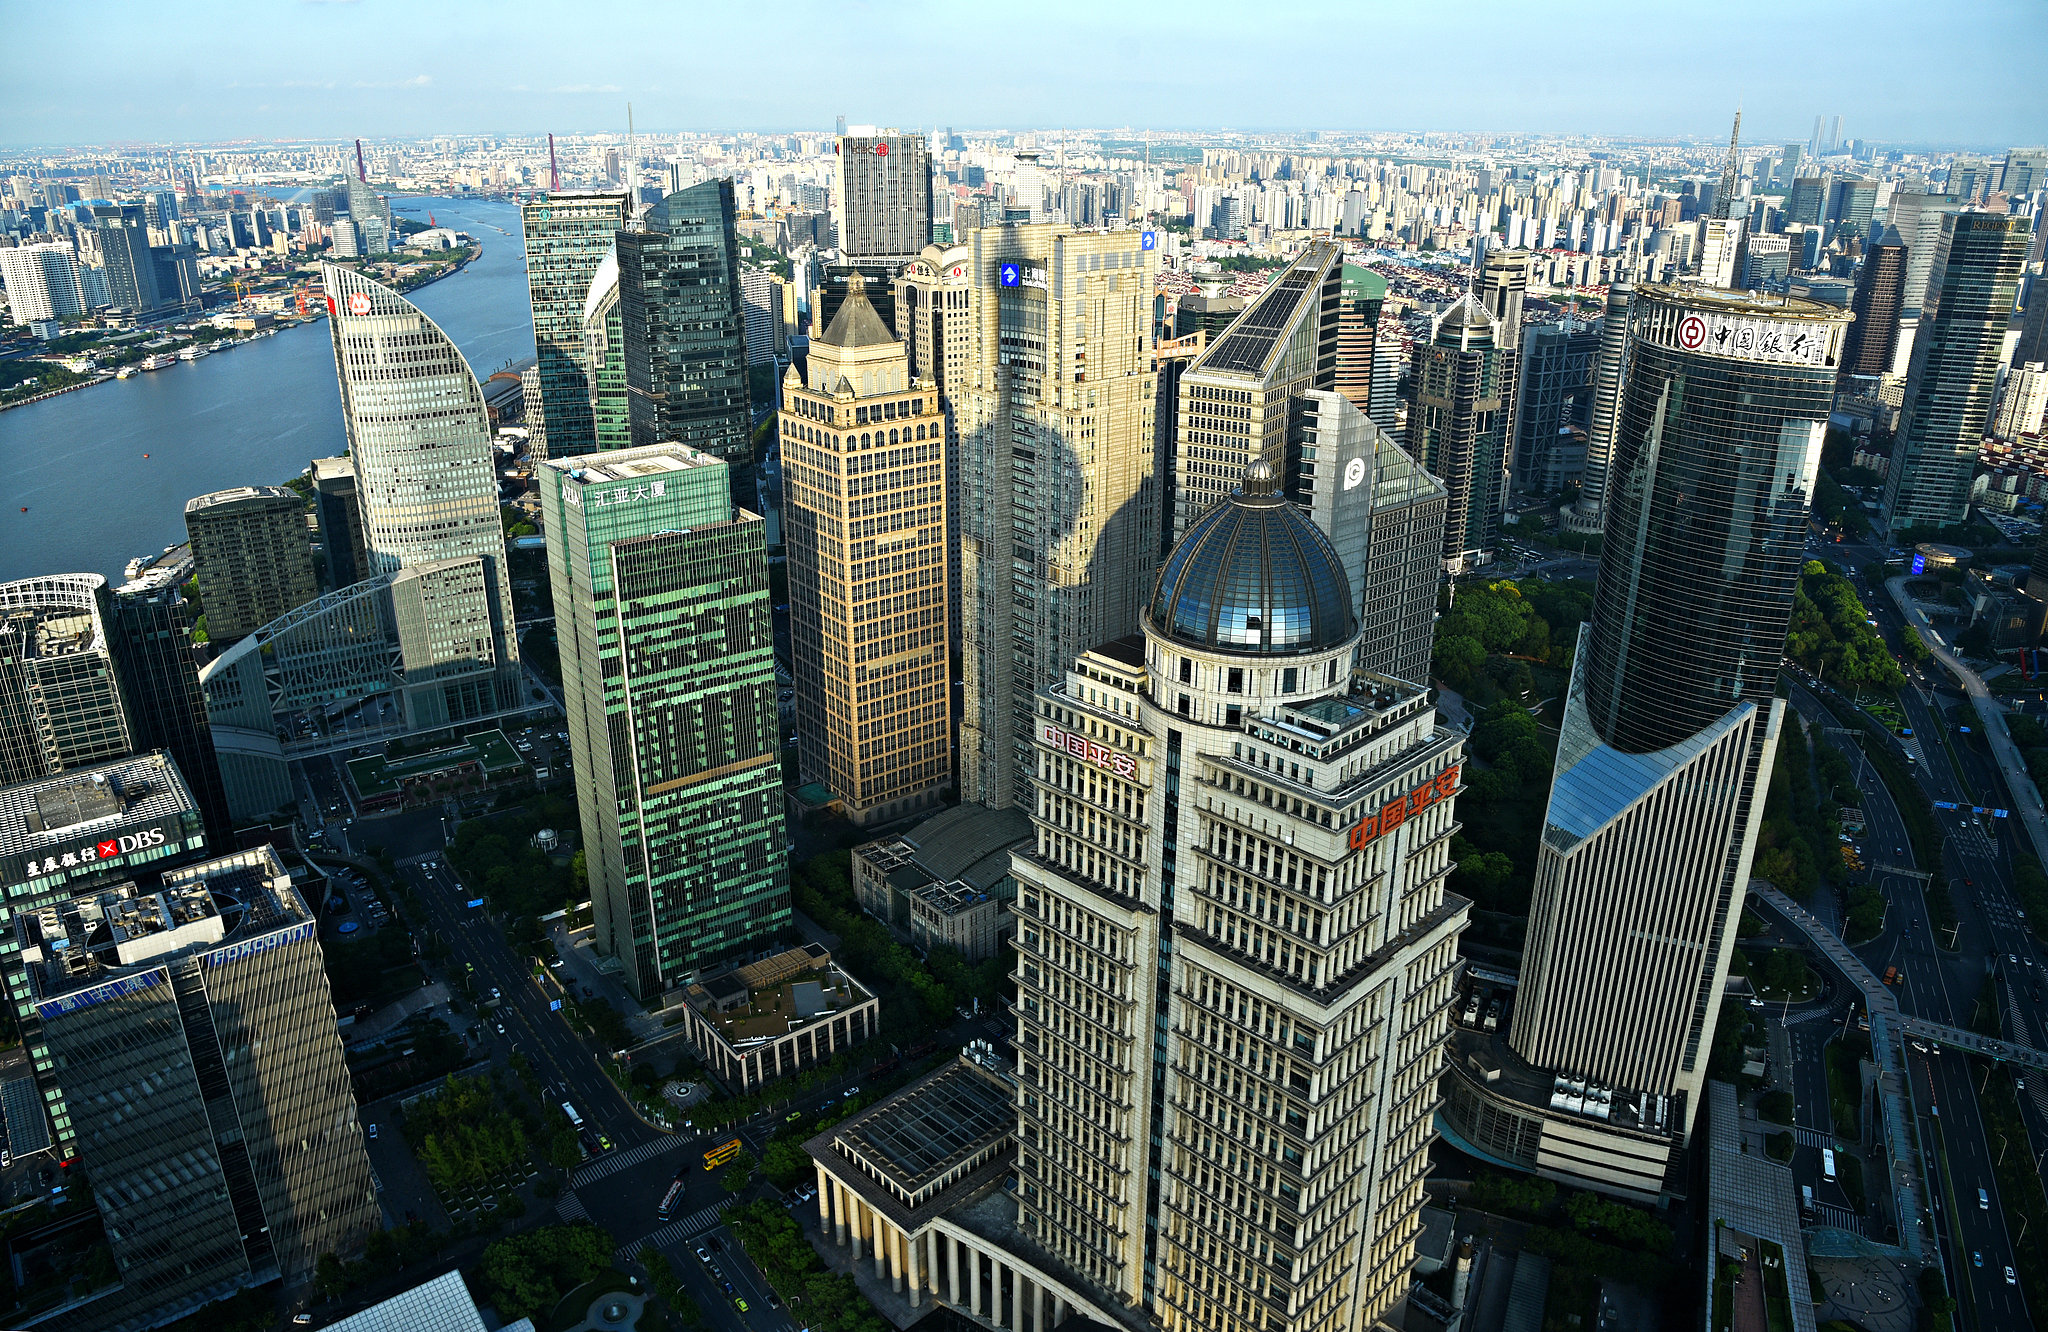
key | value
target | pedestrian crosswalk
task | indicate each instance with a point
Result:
(570, 1208)
(613, 1162)
(675, 1232)
(1839, 1217)
(1812, 1137)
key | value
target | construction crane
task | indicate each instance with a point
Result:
(1724, 198)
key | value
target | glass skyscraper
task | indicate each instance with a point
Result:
(683, 330)
(427, 484)
(1458, 426)
(60, 695)
(604, 352)
(151, 631)
(1669, 728)
(668, 674)
(567, 237)
(1952, 379)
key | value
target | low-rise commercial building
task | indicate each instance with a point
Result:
(946, 881)
(768, 1019)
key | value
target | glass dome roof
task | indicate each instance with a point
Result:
(1254, 577)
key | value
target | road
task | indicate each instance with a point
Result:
(477, 947)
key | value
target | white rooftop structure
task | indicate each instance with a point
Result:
(441, 1305)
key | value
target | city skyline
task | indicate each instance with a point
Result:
(1610, 73)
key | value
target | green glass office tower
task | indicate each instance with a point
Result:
(668, 676)
(604, 350)
(684, 330)
(567, 237)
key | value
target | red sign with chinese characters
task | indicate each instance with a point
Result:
(1081, 747)
(1397, 812)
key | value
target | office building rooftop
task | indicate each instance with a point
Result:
(64, 808)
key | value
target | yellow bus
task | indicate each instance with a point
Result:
(720, 1154)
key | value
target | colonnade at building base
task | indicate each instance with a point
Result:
(954, 1266)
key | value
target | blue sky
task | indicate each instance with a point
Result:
(1966, 72)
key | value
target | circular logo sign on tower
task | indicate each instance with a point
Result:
(1692, 332)
(881, 150)
(359, 303)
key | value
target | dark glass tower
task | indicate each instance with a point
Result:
(1670, 720)
(1458, 427)
(1707, 495)
(1556, 404)
(151, 630)
(1880, 295)
(683, 327)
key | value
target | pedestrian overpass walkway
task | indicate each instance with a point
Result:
(1887, 1024)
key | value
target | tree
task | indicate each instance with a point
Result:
(740, 1173)
(525, 1274)
(330, 1278)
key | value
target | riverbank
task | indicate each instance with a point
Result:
(418, 282)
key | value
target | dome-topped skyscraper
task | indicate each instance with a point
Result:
(1253, 576)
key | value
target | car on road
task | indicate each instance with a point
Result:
(495, 994)
(302, 1320)
(604, 1143)
(794, 1116)
(1976, 1258)
(373, 1131)
(741, 1304)
(2010, 1278)
(851, 1092)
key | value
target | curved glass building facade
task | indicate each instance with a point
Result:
(426, 477)
(1721, 424)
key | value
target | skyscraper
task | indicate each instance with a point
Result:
(252, 555)
(668, 677)
(1237, 398)
(427, 485)
(1669, 730)
(1850, 205)
(2025, 170)
(151, 634)
(1880, 287)
(1059, 530)
(1234, 913)
(567, 237)
(123, 238)
(1363, 294)
(864, 510)
(340, 515)
(1458, 427)
(41, 280)
(882, 200)
(194, 1037)
(1384, 515)
(683, 331)
(604, 351)
(934, 302)
(1953, 379)
(60, 694)
(1554, 405)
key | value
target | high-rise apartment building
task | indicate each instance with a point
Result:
(1873, 337)
(193, 1034)
(1458, 427)
(604, 350)
(1237, 399)
(934, 304)
(1233, 914)
(339, 512)
(1953, 379)
(766, 336)
(668, 676)
(1384, 515)
(683, 331)
(2025, 170)
(60, 692)
(427, 488)
(1059, 527)
(1554, 405)
(150, 629)
(2024, 402)
(252, 555)
(1670, 726)
(41, 279)
(567, 237)
(864, 518)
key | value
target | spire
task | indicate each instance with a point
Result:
(1724, 198)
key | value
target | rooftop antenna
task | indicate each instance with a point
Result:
(1724, 198)
(632, 172)
(554, 172)
(362, 173)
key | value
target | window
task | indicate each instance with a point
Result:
(1187, 672)
(1183, 703)
(1236, 681)
(1233, 715)
(1287, 680)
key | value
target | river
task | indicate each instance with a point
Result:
(98, 476)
